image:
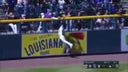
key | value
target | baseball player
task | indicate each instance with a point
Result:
(71, 41)
(62, 38)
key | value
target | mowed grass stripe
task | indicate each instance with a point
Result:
(76, 68)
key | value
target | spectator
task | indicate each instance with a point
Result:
(107, 20)
(11, 15)
(31, 11)
(99, 3)
(5, 7)
(98, 22)
(48, 25)
(70, 23)
(63, 22)
(78, 22)
(12, 27)
(25, 26)
(45, 7)
(11, 4)
(41, 26)
(61, 4)
(107, 4)
(55, 8)
(19, 9)
(120, 23)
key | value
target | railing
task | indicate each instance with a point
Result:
(63, 18)
(87, 22)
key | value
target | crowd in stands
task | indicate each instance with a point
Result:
(61, 8)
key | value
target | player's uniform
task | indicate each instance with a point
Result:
(72, 40)
(60, 33)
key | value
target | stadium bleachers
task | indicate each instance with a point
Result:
(63, 8)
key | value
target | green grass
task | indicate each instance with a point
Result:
(79, 68)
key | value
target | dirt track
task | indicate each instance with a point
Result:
(60, 61)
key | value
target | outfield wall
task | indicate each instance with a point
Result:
(103, 41)
(10, 46)
(89, 42)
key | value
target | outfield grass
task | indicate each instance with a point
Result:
(122, 68)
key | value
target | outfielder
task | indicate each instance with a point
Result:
(71, 41)
(62, 38)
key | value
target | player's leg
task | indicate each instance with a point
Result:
(70, 50)
(65, 41)
(60, 33)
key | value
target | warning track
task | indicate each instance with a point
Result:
(60, 61)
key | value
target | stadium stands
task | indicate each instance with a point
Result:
(18, 9)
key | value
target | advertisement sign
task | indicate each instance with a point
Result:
(124, 40)
(50, 44)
